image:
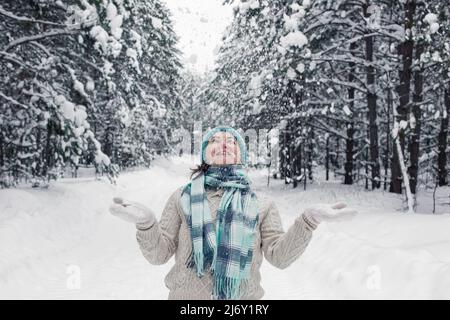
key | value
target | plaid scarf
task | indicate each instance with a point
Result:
(227, 249)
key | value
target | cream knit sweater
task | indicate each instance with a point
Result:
(171, 236)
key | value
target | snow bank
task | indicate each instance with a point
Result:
(44, 233)
(384, 253)
(49, 237)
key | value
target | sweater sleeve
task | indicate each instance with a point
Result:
(282, 248)
(159, 242)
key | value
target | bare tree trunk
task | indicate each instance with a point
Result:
(310, 154)
(297, 163)
(388, 133)
(442, 143)
(406, 50)
(327, 159)
(337, 165)
(40, 160)
(297, 133)
(304, 165)
(366, 169)
(414, 143)
(48, 150)
(291, 161)
(372, 108)
(288, 155)
(282, 152)
(287, 147)
(2, 152)
(348, 179)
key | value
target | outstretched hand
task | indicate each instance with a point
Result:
(329, 212)
(132, 211)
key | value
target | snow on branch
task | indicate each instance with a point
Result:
(22, 40)
(13, 101)
(344, 83)
(324, 127)
(26, 19)
(14, 59)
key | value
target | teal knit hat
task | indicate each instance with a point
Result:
(230, 130)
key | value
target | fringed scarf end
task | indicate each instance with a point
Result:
(226, 288)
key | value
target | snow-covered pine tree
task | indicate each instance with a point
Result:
(44, 110)
(156, 103)
(433, 38)
(72, 72)
(361, 63)
(256, 78)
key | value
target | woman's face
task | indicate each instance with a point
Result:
(222, 149)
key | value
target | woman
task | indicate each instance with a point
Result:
(218, 229)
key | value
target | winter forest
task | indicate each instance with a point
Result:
(344, 99)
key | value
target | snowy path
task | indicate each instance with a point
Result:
(49, 237)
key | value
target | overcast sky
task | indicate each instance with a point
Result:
(199, 24)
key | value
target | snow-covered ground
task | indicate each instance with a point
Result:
(61, 243)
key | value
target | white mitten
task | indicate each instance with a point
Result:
(326, 212)
(134, 212)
